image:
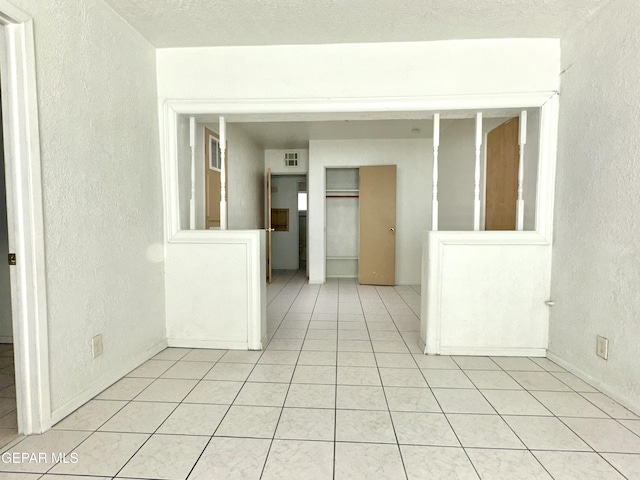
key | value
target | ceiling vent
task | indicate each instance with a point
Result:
(290, 159)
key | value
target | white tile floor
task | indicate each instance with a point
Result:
(341, 392)
(8, 418)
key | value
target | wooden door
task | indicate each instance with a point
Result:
(269, 229)
(502, 176)
(212, 178)
(377, 255)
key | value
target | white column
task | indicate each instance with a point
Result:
(192, 200)
(476, 191)
(522, 140)
(223, 174)
(436, 145)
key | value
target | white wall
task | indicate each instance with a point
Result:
(414, 158)
(6, 328)
(98, 119)
(245, 179)
(596, 254)
(274, 159)
(360, 70)
(531, 163)
(484, 293)
(216, 293)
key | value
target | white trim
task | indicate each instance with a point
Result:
(25, 220)
(222, 132)
(494, 351)
(192, 197)
(216, 236)
(483, 174)
(545, 195)
(256, 304)
(353, 105)
(434, 174)
(522, 142)
(476, 183)
(169, 120)
(486, 351)
(10, 14)
(205, 343)
(627, 401)
(87, 394)
(170, 108)
(489, 237)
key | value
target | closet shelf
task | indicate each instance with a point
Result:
(342, 193)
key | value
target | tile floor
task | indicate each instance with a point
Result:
(8, 419)
(341, 392)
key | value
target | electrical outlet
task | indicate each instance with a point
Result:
(602, 347)
(96, 346)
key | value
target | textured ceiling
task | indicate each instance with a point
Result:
(280, 135)
(190, 23)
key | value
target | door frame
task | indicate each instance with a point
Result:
(269, 205)
(25, 220)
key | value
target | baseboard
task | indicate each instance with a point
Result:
(82, 398)
(264, 341)
(494, 351)
(632, 404)
(213, 344)
(4, 339)
(422, 345)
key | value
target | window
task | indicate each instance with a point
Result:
(302, 201)
(214, 153)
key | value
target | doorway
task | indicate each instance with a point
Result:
(302, 224)
(8, 404)
(22, 171)
(288, 241)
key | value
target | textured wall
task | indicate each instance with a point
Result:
(97, 103)
(184, 171)
(456, 172)
(245, 180)
(596, 254)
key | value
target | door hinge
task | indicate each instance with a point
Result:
(12, 259)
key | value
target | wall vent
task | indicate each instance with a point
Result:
(290, 159)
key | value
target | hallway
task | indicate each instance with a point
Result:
(342, 391)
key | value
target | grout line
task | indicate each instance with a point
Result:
(335, 391)
(334, 292)
(382, 386)
(275, 429)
